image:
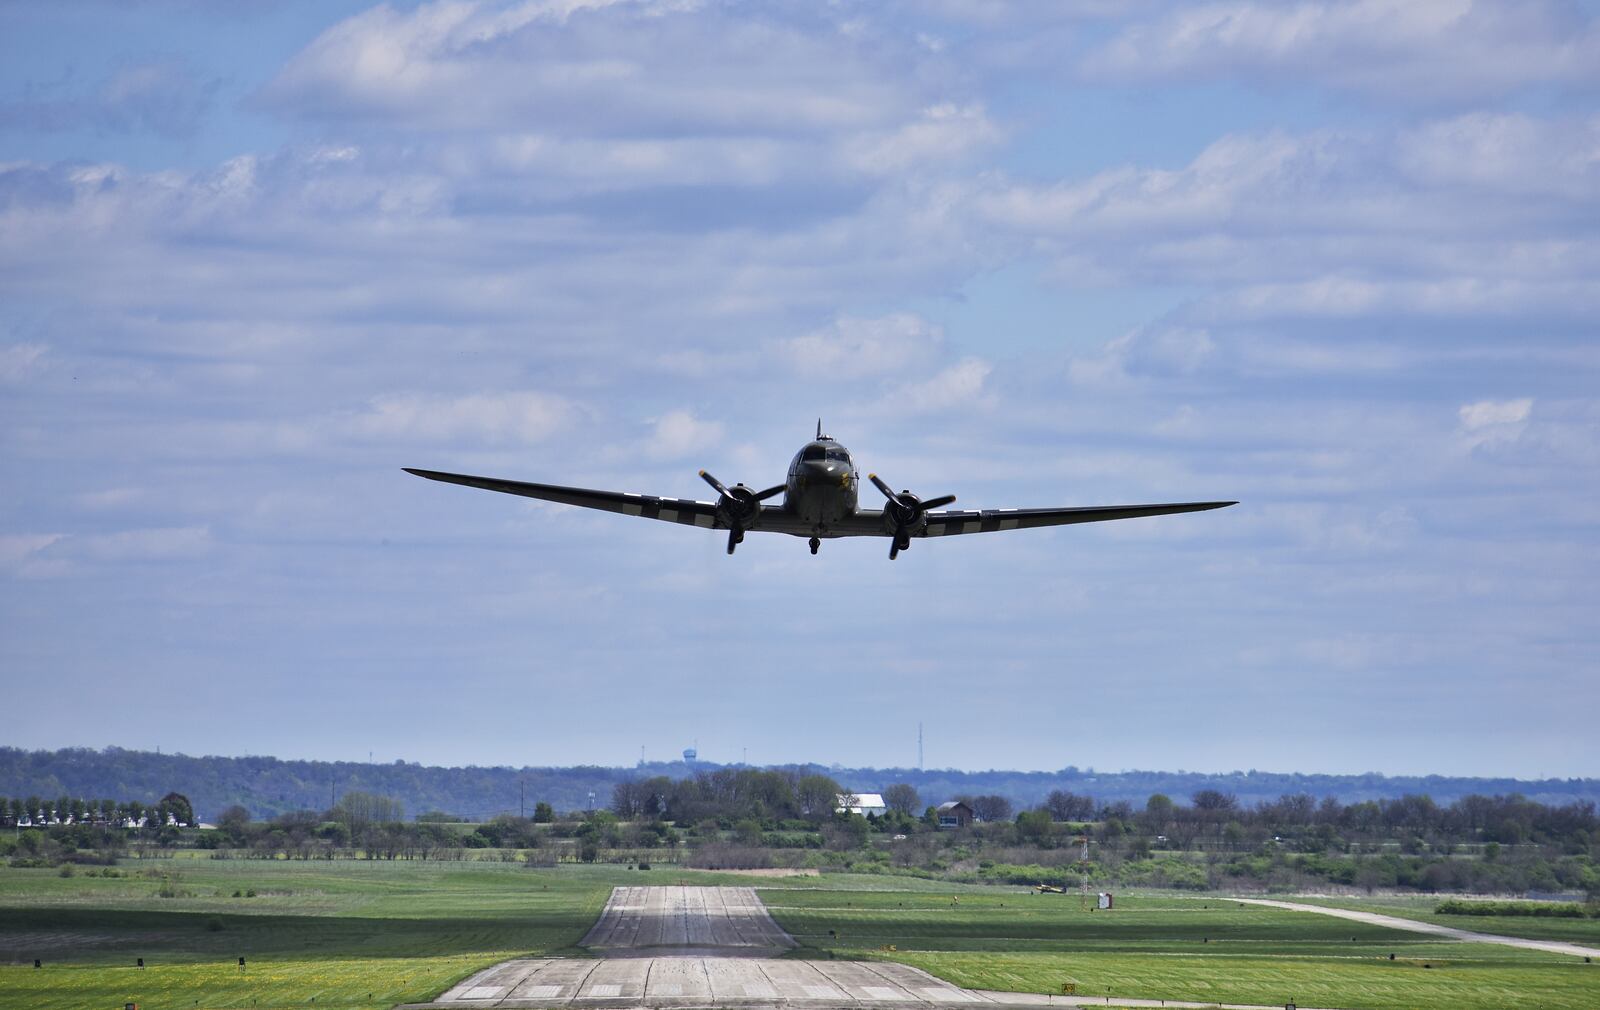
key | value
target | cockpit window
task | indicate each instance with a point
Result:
(839, 455)
(812, 452)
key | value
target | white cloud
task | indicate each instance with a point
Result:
(17, 548)
(959, 385)
(865, 346)
(55, 555)
(110, 498)
(1396, 50)
(157, 544)
(679, 433)
(1156, 350)
(1494, 423)
(1338, 224)
(19, 361)
(1485, 413)
(942, 133)
(589, 68)
(514, 417)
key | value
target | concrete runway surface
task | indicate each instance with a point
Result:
(717, 947)
(659, 921)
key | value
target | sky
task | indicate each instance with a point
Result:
(1337, 261)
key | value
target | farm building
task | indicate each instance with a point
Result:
(865, 804)
(954, 814)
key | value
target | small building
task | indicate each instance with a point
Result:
(865, 804)
(1105, 899)
(954, 814)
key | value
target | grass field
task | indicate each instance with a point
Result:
(350, 934)
(1176, 947)
(1421, 908)
(371, 934)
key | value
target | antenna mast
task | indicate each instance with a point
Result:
(1083, 870)
(919, 745)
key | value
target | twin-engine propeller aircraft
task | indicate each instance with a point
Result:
(819, 501)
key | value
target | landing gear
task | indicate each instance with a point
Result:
(900, 544)
(735, 538)
(815, 543)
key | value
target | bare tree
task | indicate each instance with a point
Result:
(902, 798)
(991, 808)
(1065, 806)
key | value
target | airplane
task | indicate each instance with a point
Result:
(819, 502)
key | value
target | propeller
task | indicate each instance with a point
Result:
(740, 506)
(904, 510)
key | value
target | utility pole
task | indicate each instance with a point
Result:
(919, 745)
(522, 802)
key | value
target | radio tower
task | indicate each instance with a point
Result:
(919, 746)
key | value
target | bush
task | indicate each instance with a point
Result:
(1541, 909)
(66, 870)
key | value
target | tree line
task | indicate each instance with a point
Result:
(270, 786)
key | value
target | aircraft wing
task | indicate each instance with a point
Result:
(951, 522)
(672, 510)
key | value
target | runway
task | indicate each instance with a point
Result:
(702, 981)
(716, 947)
(660, 921)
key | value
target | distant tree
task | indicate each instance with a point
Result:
(991, 808)
(234, 822)
(543, 813)
(63, 808)
(817, 796)
(1034, 827)
(1157, 813)
(178, 808)
(1214, 802)
(108, 810)
(902, 798)
(627, 800)
(360, 811)
(1065, 806)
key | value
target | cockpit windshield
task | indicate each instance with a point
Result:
(839, 453)
(813, 452)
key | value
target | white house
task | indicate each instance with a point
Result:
(864, 804)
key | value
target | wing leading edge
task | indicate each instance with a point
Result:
(672, 510)
(866, 522)
(955, 522)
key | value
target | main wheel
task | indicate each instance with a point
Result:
(815, 543)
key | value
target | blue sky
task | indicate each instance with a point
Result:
(1335, 260)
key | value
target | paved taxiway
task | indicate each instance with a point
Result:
(1415, 926)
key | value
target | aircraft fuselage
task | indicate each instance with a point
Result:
(821, 489)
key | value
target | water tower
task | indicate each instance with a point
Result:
(689, 754)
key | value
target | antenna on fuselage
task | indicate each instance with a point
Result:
(819, 427)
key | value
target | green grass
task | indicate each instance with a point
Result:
(336, 931)
(1158, 946)
(372, 934)
(1471, 978)
(1421, 908)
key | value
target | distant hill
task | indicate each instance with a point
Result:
(268, 786)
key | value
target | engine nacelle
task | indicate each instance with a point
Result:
(740, 507)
